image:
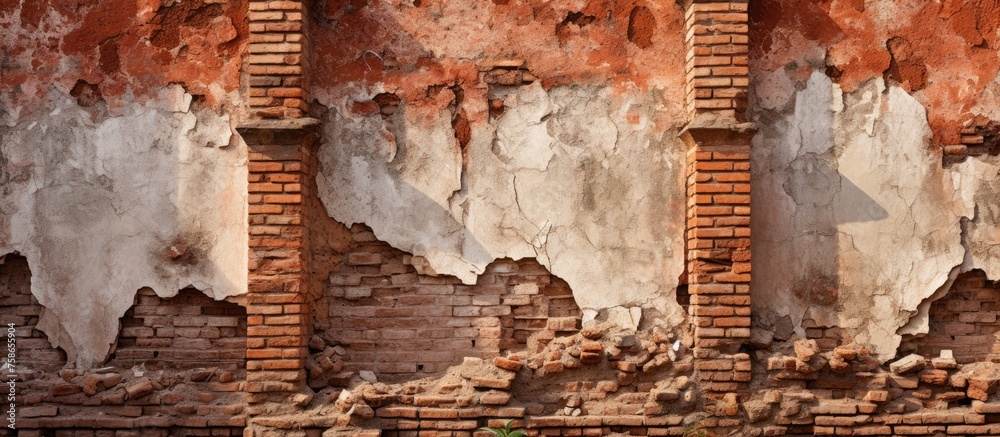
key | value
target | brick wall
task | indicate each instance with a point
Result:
(965, 321)
(19, 307)
(979, 137)
(718, 194)
(177, 369)
(403, 325)
(716, 62)
(275, 61)
(278, 303)
(185, 331)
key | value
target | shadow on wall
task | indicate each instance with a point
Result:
(799, 191)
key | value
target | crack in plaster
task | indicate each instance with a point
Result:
(562, 175)
(888, 194)
(103, 201)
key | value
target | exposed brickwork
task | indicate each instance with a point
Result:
(718, 194)
(846, 392)
(582, 384)
(278, 304)
(178, 367)
(275, 62)
(185, 331)
(977, 139)
(965, 321)
(19, 307)
(403, 325)
(716, 62)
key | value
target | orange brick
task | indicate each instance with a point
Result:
(265, 209)
(701, 61)
(281, 178)
(283, 364)
(713, 232)
(721, 198)
(275, 48)
(726, 322)
(713, 210)
(285, 5)
(283, 320)
(288, 26)
(263, 167)
(285, 198)
(275, 331)
(712, 188)
(729, 17)
(264, 188)
(730, 71)
(285, 92)
(713, 104)
(263, 354)
(713, 166)
(274, 70)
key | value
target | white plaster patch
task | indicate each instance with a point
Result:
(153, 198)
(855, 222)
(977, 181)
(561, 176)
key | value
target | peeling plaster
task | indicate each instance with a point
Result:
(855, 221)
(580, 178)
(977, 181)
(952, 70)
(154, 197)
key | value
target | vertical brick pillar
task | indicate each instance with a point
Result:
(279, 320)
(716, 61)
(718, 194)
(275, 63)
(280, 142)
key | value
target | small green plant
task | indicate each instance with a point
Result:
(505, 431)
(691, 430)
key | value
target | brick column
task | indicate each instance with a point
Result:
(718, 194)
(276, 77)
(279, 320)
(716, 61)
(280, 142)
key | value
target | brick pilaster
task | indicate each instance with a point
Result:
(275, 63)
(279, 320)
(716, 35)
(718, 193)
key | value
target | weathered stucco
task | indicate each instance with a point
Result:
(576, 162)
(102, 206)
(978, 184)
(122, 50)
(856, 223)
(942, 52)
(578, 177)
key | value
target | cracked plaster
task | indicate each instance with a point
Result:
(103, 206)
(856, 223)
(581, 178)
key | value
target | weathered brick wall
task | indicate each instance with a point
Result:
(19, 307)
(178, 368)
(965, 321)
(717, 57)
(275, 64)
(278, 303)
(718, 194)
(184, 331)
(403, 325)
(589, 383)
